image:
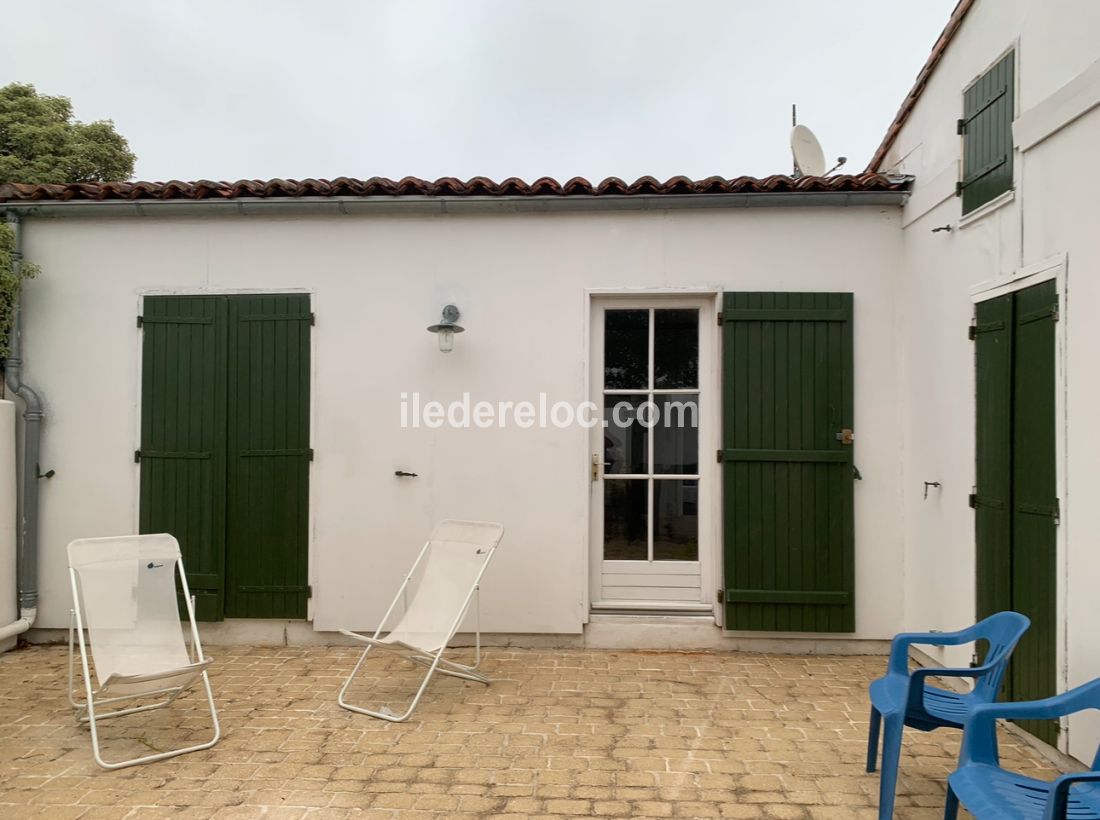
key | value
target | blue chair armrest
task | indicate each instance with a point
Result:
(976, 745)
(1058, 801)
(1045, 709)
(918, 677)
(899, 647)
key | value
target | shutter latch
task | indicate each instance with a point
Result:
(846, 436)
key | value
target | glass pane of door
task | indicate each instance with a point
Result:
(651, 436)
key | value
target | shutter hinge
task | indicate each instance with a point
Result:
(140, 321)
(719, 456)
(1056, 313)
(721, 596)
(137, 456)
(972, 500)
(312, 319)
(960, 127)
(959, 188)
(311, 454)
(719, 318)
(309, 590)
(972, 332)
(1057, 511)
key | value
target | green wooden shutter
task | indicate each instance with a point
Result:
(1015, 503)
(787, 378)
(1033, 668)
(268, 443)
(986, 127)
(182, 452)
(992, 497)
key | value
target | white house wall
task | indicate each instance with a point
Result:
(377, 281)
(1052, 212)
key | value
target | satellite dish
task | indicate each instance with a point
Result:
(809, 159)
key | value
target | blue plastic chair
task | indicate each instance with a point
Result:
(989, 792)
(903, 699)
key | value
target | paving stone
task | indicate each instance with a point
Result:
(558, 735)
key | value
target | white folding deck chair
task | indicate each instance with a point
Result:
(124, 590)
(436, 599)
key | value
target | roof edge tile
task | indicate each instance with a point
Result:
(512, 187)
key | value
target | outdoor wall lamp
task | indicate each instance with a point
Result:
(447, 328)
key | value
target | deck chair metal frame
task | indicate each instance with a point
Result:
(181, 680)
(432, 659)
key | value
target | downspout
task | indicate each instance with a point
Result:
(27, 529)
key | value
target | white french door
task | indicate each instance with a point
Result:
(651, 503)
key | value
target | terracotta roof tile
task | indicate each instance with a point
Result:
(205, 189)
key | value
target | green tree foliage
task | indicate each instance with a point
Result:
(41, 142)
(10, 282)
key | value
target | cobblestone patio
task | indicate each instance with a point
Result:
(558, 734)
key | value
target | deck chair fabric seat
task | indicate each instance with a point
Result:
(435, 597)
(137, 685)
(124, 594)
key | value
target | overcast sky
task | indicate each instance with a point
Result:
(209, 89)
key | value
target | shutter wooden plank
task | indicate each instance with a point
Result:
(182, 485)
(787, 390)
(1032, 672)
(988, 110)
(993, 526)
(268, 445)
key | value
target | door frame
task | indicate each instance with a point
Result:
(1055, 268)
(708, 300)
(141, 293)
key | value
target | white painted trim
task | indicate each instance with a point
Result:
(642, 606)
(589, 485)
(985, 210)
(1055, 268)
(714, 441)
(1070, 102)
(201, 291)
(1050, 268)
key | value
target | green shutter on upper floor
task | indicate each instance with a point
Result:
(986, 129)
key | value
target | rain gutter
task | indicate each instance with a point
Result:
(458, 204)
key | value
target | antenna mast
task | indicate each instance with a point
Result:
(794, 122)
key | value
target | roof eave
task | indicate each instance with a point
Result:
(457, 204)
